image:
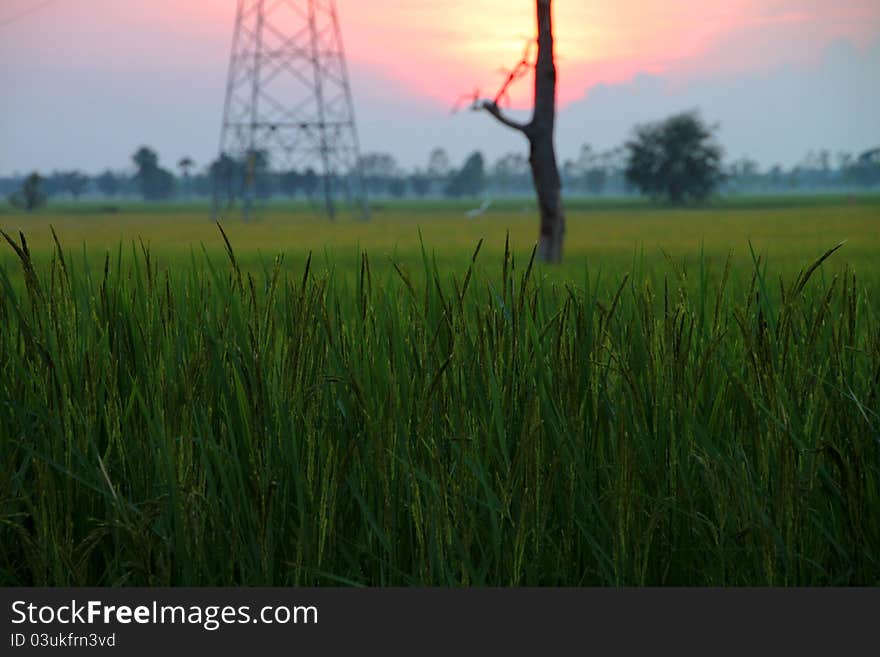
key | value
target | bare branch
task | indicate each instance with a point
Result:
(466, 99)
(492, 107)
(520, 70)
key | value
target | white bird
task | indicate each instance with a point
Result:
(476, 212)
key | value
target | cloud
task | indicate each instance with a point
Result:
(774, 116)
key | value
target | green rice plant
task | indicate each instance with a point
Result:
(488, 423)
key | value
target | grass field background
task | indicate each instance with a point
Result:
(692, 398)
(605, 235)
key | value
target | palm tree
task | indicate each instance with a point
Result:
(185, 165)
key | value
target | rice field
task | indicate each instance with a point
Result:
(691, 399)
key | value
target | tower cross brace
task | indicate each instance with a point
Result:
(288, 100)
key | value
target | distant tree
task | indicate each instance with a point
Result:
(571, 174)
(420, 184)
(257, 170)
(31, 195)
(613, 163)
(200, 183)
(744, 175)
(824, 161)
(310, 182)
(379, 170)
(776, 176)
(145, 159)
(511, 172)
(815, 170)
(439, 164)
(108, 184)
(8, 186)
(156, 183)
(844, 168)
(185, 164)
(593, 170)
(470, 180)
(595, 179)
(397, 187)
(590, 172)
(73, 182)
(866, 169)
(163, 186)
(290, 183)
(677, 160)
(225, 174)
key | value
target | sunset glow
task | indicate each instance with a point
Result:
(439, 50)
(443, 49)
(155, 70)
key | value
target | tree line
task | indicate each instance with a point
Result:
(676, 160)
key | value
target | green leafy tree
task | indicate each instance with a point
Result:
(470, 180)
(108, 183)
(156, 183)
(676, 160)
(31, 195)
(74, 183)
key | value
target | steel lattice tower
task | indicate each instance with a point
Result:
(288, 98)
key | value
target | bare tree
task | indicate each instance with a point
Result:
(540, 134)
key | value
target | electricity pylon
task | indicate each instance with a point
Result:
(288, 101)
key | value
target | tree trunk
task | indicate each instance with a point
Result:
(540, 133)
(549, 190)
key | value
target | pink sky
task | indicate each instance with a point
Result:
(86, 81)
(439, 49)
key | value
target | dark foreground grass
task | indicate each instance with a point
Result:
(203, 426)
